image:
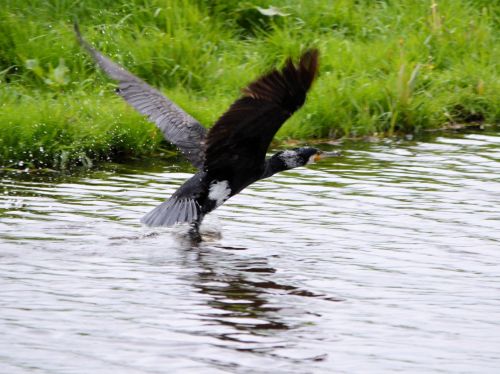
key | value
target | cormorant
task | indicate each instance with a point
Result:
(232, 154)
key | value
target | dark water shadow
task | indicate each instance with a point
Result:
(240, 289)
(252, 312)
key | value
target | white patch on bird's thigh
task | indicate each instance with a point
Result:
(219, 191)
(290, 159)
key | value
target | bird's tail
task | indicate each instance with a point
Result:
(173, 211)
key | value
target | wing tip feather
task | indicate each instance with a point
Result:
(291, 82)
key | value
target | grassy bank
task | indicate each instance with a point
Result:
(386, 66)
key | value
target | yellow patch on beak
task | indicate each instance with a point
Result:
(317, 157)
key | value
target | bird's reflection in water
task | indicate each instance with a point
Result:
(243, 301)
(244, 297)
(239, 299)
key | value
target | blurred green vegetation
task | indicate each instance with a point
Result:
(386, 66)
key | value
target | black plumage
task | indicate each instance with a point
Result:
(232, 155)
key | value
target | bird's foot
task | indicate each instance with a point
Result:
(194, 234)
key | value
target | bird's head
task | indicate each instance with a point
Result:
(303, 156)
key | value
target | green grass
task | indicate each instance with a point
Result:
(386, 66)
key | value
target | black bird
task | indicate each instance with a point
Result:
(232, 154)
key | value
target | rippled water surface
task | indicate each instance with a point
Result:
(383, 260)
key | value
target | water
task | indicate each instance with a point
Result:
(384, 260)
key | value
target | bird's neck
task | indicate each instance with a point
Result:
(273, 165)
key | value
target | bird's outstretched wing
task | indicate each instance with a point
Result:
(177, 126)
(240, 138)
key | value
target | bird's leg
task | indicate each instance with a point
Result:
(194, 232)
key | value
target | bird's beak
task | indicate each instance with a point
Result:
(321, 155)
